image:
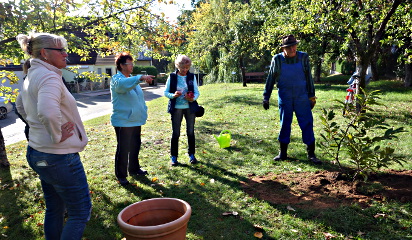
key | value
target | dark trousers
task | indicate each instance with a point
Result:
(127, 152)
(177, 117)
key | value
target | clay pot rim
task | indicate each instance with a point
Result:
(167, 227)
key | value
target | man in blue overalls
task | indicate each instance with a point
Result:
(290, 70)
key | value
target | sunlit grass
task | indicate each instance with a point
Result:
(213, 186)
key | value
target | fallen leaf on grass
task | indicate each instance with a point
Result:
(258, 234)
(378, 215)
(258, 227)
(328, 236)
(290, 208)
(230, 213)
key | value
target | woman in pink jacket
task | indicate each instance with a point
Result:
(57, 136)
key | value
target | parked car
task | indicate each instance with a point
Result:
(5, 108)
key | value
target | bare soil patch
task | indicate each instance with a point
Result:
(325, 189)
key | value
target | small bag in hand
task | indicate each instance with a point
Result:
(200, 111)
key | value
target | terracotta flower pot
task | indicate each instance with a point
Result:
(155, 219)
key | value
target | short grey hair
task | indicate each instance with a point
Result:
(182, 60)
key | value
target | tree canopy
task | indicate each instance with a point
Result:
(106, 26)
(224, 31)
(222, 37)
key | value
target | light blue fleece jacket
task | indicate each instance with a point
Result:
(129, 106)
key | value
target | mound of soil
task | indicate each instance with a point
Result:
(326, 189)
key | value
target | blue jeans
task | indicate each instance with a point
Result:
(65, 188)
(177, 117)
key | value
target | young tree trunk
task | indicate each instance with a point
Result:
(408, 75)
(242, 69)
(4, 162)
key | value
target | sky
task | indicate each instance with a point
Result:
(172, 11)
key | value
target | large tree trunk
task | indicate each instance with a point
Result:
(408, 75)
(363, 65)
(3, 154)
(374, 68)
(318, 71)
(319, 61)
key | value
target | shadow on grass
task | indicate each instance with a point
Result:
(186, 182)
(389, 87)
(187, 189)
(11, 215)
(105, 208)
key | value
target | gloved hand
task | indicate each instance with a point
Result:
(265, 105)
(312, 102)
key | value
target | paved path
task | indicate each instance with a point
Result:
(91, 105)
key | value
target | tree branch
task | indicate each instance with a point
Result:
(90, 23)
(381, 30)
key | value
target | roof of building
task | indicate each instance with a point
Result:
(75, 59)
(11, 68)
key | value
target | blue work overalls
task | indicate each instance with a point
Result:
(293, 97)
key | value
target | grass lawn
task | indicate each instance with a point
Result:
(213, 186)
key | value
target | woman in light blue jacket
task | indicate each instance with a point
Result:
(129, 114)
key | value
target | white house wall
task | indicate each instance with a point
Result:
(69, 76)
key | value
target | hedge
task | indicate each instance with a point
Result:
(150, 70)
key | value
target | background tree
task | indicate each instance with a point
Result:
(399, 41)
(109, 26)
(222, 38)
(359, 26)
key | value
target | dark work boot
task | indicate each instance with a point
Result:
(283, 154)
(311, 154)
